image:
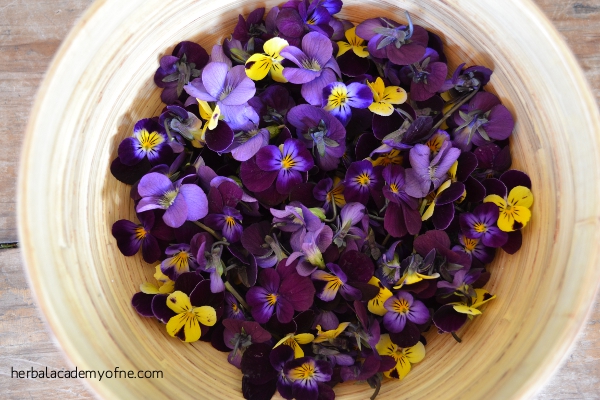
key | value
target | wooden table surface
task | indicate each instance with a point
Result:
(30, 33)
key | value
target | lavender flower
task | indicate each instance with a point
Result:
(339, 99)
(428, 174)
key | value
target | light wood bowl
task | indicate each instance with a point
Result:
(100, 84)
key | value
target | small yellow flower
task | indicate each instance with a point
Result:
(514, 211)
(404, 356)
(188, 318)
(337, 193)
(294, 341)
(384, 98)
(259, 65)
(355, 43)
(211, 118)
(482, 296)
(323, 336)
(375, 305)
(164, 286)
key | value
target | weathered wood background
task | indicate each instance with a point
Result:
(30, 33)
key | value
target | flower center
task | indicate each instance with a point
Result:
(140, 233)
(338, 98)
(288, 162)
(225, 92)
(470, 244)
(401, 306)
(149, 141)
(168, 199)
(230, 221)
(271, 299)
(394, 188)
(480, 227)
(311, 64)
(363, 179)
(305, 372)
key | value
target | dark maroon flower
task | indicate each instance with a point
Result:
(306, 374)
(239, 335)
(228, 222)
(401, 216)
(252, 27)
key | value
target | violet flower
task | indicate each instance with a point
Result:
(427, 175)
(176, 70)
(279, 357)
(239, 335)
(313, 245)
(362, 181)
(232, 308)
(181, 260)
(228, 222)
(402, 307)
(317, 67)
(321, 132)
(481, 224)
(284, 165)
(307, 376)
(351, 215)
(148, 141)
(328, 284)
(475, 249)
(426, 77)
(402, 44)
(280, 294)
(252, 27)
(182, 202)
(339, 99)
(262, 245)
(401, 216)
(229, 87)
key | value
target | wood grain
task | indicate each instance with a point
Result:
(29, 36)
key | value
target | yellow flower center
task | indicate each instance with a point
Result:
(305, 372)
(400, 306)
(394, 188)
(271, 299)
(234, 307)
(338, 97)
(288, 162)
(150, 140)
(470, 244)
(363, 179)
(180, 260)
(168, 199)
(140, 233)
(230, 221)
(480, 227)
(312, 65)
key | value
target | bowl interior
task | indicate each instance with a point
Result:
(101, 83)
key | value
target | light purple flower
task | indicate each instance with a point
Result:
(182, 202)
(481, 224)
(403, 307)
(427, 175)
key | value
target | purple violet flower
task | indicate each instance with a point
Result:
(351, 215)
(475, 249)
(481, 224)
(362, 181)
(401, 216)
(285, 165)
(148, 141)
(228, 222)
(239, 335)
(307, 376)
(427, 175)
(426, 76)
(279, 293)
(319, 131)
(339, 99)
(232, 308)
(403, 307)
(181, 260)
(317, 67)
(182, 202)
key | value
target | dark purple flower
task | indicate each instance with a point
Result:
(362, 181)
(426, 76)
(229, 223)
(264, 246)
(321, 132)
(492, 160)
(232, 308)
(475, 248)
(175, 71)
(181, 260)
(402, 307)
(239, 335)
(483, 120)
(280, 356)
(328, 284)
(401, 216)
(260, 378)
(252, 27)
(280, 296)
(148, 141)
(283, 165)
(441, 208)
(177, 119)
(402, 44)
(468, 80)
(306, 373)
(317, 67)
(463, 279)
(339, 99)
(130, 236)
(481, 224)
(182, 202)
(428, 174)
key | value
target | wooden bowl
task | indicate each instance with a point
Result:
(100, 84)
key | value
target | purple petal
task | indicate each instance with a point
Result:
(213, 79)
(284, 310)
(446, 319)
(393, 221)
(393, 321)
(299, 291)
(154, 184)
(254, 178)
(443, 216)
(317, 47)
(197, 203)
(125, 233)
(494, 186)
(287, 180)
(268, 158)
(243, 87)
(220, 138)
(142, 303)
(161, 311)
(300, 75)
(359, 95)
(453, 193)
(246, 150)
(130, 153)
(177, 213)
(259, 307)
(151, 251)
(494, 237)
(513, 178)
(514, 242)
(313, 90)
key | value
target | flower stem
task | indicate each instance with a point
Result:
(387, 238)
(375, 217)
(207, 229)
(334, 212)
(235, 294)
(455, 336)
(377, 388)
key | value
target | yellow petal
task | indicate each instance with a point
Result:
(429, 212)
(277, 73)
(402, 369)
(385, 346)
(206, 315)
(483, 296)
(375, 305)
(258, 66)
(443, 187)
(383, 109)
(343, 48)
(191, 330)
(205, 110)
(520, 196)
(506, 221)
(159, 276)
(465, 309)
(149, 288)
(179, 302)
(394, 95)
(167, 288)
(416, 353)
(273, 47)
(175, 323)
(360, 51)
(377, 89)
(497, 200)
(452, 170)
(214, 118)
(522, 215)
(304, 338)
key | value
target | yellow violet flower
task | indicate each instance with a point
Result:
(164, 286)
(323, 336)
(188, 318)
(294, 341)
(211, 118)
(384, 98)
(404, 356)
(375, 305)
(514, 210)
(482, 296)
(355, 43)
(259, 65)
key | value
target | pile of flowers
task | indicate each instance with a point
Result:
(316, 195)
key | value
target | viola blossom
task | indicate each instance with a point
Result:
(483, 120)
(294, 341)
(330, 335)
(208, 257)
(441, 207)
(296, 219)
(427, 175)
(149, 141)
(228, 222)
(362, 181)
(514, 213)
(313, 245)
(176, 70)
(239, 335)
(384, 98)
(475, 249)
(142, 300)
(215, 134)
(330, 191)
(273, 105)
(351, 215)
(251, 28)
(401, 44)
(186, 325)
(481, 224)
(262, 245)
(279, 294)
(181, 260)
(229, 88)
(401, 216)
(259, 65)
(402, 307)
(417, 268)
(328, 284)
(376, 304)
(492, 160)
(317, 67)
(452, 316)
(315, 16)
(182, 202)
(307, 376)
(356, 62)
(404, 357)
(467, 80)
(426, 77)
(131, 236)
(389, 265)
(232, 308)
(461, 284)
(339, 99)
(285, 165)
(320, 132)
